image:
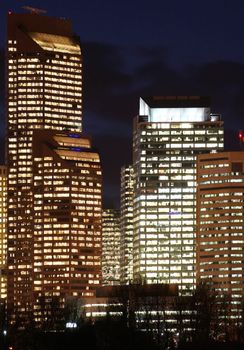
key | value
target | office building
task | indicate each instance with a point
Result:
(3, 237)
(126, 224)
(220, 227)
(110, 247)
(54, 183)
(169, 133)
(67, 207)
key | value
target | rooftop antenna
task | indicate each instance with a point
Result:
(34, 10)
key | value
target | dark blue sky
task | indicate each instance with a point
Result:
(133, 48)
(190, 30)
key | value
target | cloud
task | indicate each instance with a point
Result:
(113, 87)
(115, 77)
(224, 82)
(104, 78)
(214, 74)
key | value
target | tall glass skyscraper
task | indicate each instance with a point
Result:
(168, 135)
(126, 224)
(110, 246)
(44, 83)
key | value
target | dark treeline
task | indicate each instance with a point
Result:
(202, 322)
(105, 334)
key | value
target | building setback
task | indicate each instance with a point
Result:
(168, 135)
(52, 167)
(126, 224)
(220, 227)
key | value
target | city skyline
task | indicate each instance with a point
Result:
(184, 51)
(62, 244)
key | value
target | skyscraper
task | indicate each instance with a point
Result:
(3, 235)
(110, 247)
(168, 134)
(47, 180)
(220, 227)
(126, 224)
(67, 224)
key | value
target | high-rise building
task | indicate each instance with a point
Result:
(220, 227)
(54, 176)
(110, 247)
(168, 135)
(67, 224)
(126, 224)
(44, 77)
(3, 236)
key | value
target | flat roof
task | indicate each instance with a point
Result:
(177, 101)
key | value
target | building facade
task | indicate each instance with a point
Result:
(110, 247)
(52, 167)
(126, 224)
(3, 235)
(169, 133)
(220, 227)
(67, 226)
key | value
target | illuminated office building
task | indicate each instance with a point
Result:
(168, 135)
(67, 206)
(3, 238)
(110, 247)
(220, 226)
(44, 76)
(126, 224)
(45, 93)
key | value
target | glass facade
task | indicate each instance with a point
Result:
(165, 186)
(126, 224)
(110, 247)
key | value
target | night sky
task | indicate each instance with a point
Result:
(136, 48)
